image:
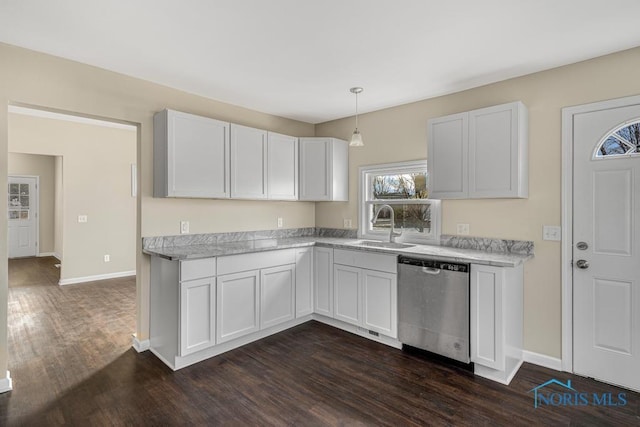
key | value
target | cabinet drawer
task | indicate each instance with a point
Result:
(369, 260)
(255, 261)
(197, 269)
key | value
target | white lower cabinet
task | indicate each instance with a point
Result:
(363, 296)
(237, 308)
(277, 295)
(496, 321)
(380, 302)
(182, 303)
(346, 293)
(197, 315)
(200, 308)
(323, 281)
(304, 282)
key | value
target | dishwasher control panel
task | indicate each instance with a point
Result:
(431, 263)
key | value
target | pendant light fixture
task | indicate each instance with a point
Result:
(356, 138)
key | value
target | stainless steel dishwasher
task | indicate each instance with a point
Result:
(433, 306)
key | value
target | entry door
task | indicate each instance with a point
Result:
(606, 250)
(23, 213)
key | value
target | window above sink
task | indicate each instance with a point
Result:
(405, 187)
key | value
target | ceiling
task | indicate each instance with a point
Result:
(298, 59)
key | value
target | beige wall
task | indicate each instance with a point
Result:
(44, 167)
(400, 133)
(40, 80)
(96, 181)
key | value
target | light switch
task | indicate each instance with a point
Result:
(280, 222)
(82, 218)
(551, 232)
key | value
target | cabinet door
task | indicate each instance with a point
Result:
(197, 154)
(248, 163)
(197, 316)
(282, 169)
(237, 308)
(497, 151)
(487, 338)
(304, 282)
(447, 156)
(346, 291)
(315, 179)
(380, 293)
(323, 281)
(277, 303)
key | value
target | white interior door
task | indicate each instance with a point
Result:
(23, 216)
(606, 236)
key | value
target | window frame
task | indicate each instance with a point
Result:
(365, 199)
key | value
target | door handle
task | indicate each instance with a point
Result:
(583, 264)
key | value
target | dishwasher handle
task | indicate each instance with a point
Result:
(431, 270)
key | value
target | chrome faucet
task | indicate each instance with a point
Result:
(392, 234)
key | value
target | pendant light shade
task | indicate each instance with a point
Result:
(356, 138)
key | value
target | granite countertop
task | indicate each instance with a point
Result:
(195, 251)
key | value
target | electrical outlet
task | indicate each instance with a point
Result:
(280, 222)
(551, 232)
(463, 229)
(107, 258)
(347, 223)
(184, 227)
(82, 218)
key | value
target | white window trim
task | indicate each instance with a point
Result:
(363, 188)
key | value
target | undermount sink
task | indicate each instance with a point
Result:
(377, 244)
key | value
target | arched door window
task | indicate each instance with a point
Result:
(624, 140)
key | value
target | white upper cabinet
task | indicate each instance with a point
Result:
(447, 156)
(480, 153)
(282, 167)
(248, 163)
(191, 156)
(324, 169)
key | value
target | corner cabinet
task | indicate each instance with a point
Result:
(324, 169)
(190, 155)
(479, 154)
(323, 281)
(304, 281)
(496, 321)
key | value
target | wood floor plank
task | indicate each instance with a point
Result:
(72, 364)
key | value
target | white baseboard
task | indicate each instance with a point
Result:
(6, 384)
(542, 360)
(85, 279)
(140, 346)
(42, 254)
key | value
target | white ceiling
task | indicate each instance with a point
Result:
(298, 59)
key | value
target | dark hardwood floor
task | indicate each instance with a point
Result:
(72, 364)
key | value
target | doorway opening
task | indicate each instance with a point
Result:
(91, 237)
